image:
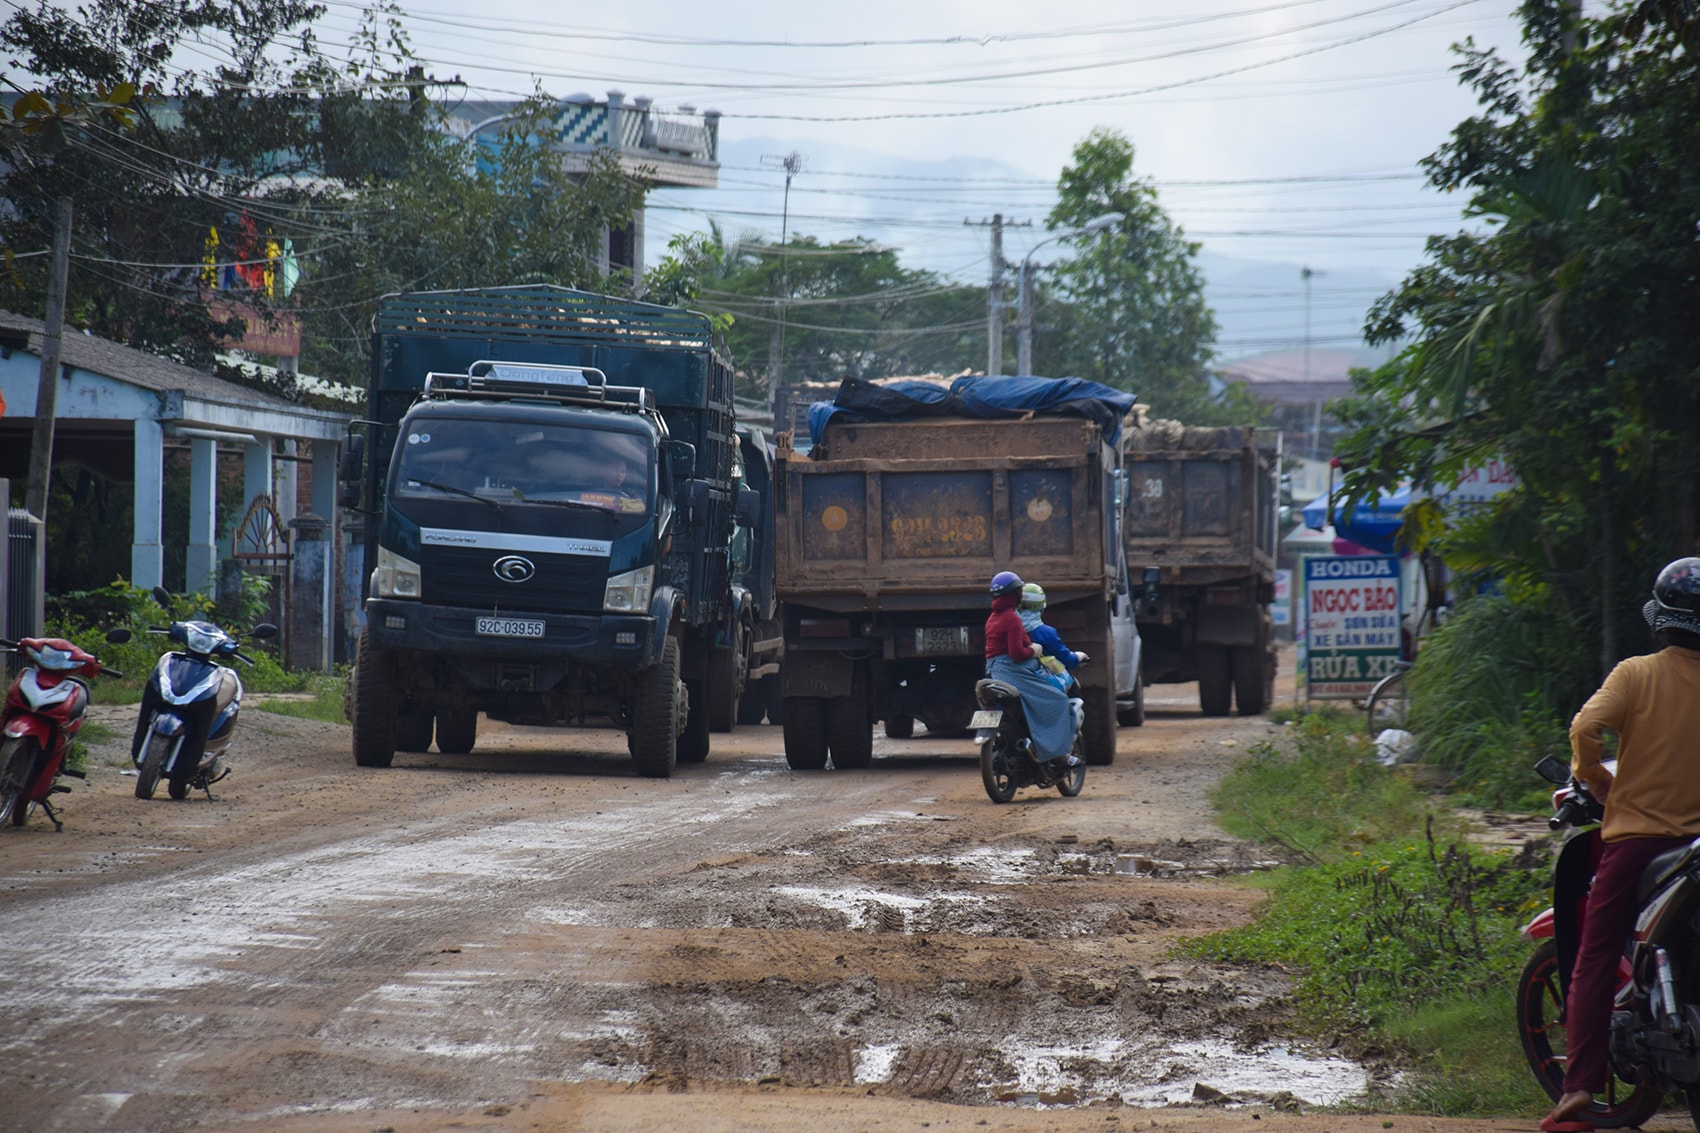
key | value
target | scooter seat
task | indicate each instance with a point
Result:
(988, 690)
(1662, 868)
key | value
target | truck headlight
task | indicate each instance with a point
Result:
(395, 577)
(628, 593)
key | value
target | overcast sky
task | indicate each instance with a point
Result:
(1283, 132)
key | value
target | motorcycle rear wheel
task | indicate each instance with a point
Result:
(153, 761)
(997, 770)
(17, 769)
(1540, 1025)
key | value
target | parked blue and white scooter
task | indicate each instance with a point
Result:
(189, 707)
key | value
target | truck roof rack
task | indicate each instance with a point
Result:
(568, 385)
(536, 313)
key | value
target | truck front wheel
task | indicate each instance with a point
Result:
(653, 737)
(805, 732)
(374, 705)
(1215, 688)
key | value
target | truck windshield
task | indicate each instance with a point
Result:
(518, 463)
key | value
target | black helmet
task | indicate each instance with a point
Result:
(1005, 582)
(1676, 597)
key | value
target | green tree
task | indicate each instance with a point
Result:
(342, 153)
(826, 311)
(1128, 309)
(1564, 333)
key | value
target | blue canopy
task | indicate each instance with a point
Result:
(1369, 525)
(981, 396)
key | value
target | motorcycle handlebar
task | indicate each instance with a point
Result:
(108, 671)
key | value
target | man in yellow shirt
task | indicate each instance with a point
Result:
(1651, 805)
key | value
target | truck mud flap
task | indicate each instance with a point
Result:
(816, 674)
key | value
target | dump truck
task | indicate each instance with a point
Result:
(889, 529)
(548, 481)
(1199, 524)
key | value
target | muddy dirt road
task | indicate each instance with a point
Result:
(531, 937)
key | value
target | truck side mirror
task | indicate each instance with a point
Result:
(682, 458)
(349, 467)
(693, 505)
(749, 508)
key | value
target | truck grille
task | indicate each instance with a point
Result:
(563, 584)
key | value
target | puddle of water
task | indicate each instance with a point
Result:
(856, 905)
(990, 864)
(1098, 1069)
(874, 1064)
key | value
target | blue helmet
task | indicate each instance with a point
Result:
(1005, 582)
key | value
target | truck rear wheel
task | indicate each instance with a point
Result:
(653, 737)
(1215, 688)
(1133, 716)
(752, 706)
(1251, 680)
(693, 744)
(457, 731)
(413, 731)
(725, 683)
(1098, 732)
(805, 733)
(773, 696)
(374, 706)
(849, 732)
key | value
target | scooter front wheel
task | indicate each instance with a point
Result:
(1074, 778)
(17, 768)
(997, 770)
(153, 761)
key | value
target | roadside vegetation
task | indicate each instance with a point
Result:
(84, 617)
(1401, 934)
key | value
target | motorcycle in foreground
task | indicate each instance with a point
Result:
(1007, 759)
(43, 713)
(189, 707)
(1655, 1024)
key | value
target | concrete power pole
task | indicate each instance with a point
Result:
(47, 386)
(792, 163)
(995, 302)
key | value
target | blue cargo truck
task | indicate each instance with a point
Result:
(549, 482)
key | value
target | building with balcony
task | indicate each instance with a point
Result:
(671, 149)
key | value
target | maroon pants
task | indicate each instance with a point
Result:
(1606, 926)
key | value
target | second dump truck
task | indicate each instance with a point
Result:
(910, 499)
(1200, 528)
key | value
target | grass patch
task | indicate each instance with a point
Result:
(1399, 933)
(325, 705)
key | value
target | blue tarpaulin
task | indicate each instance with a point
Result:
(1369, 525)
(988, 397)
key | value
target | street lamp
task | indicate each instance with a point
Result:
(1024, 294)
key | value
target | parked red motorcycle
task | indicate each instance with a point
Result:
(43, 712)
(1655, 1024)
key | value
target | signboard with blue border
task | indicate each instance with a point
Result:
(1351, 617)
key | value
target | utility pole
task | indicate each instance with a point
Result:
(1305, 274)
(995, 304)
(47, 385)
(792, 163)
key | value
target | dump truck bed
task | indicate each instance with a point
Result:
(1200, 503)
(897, 514)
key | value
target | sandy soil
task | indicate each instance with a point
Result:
(533, 938)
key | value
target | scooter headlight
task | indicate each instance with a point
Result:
(395, 577)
